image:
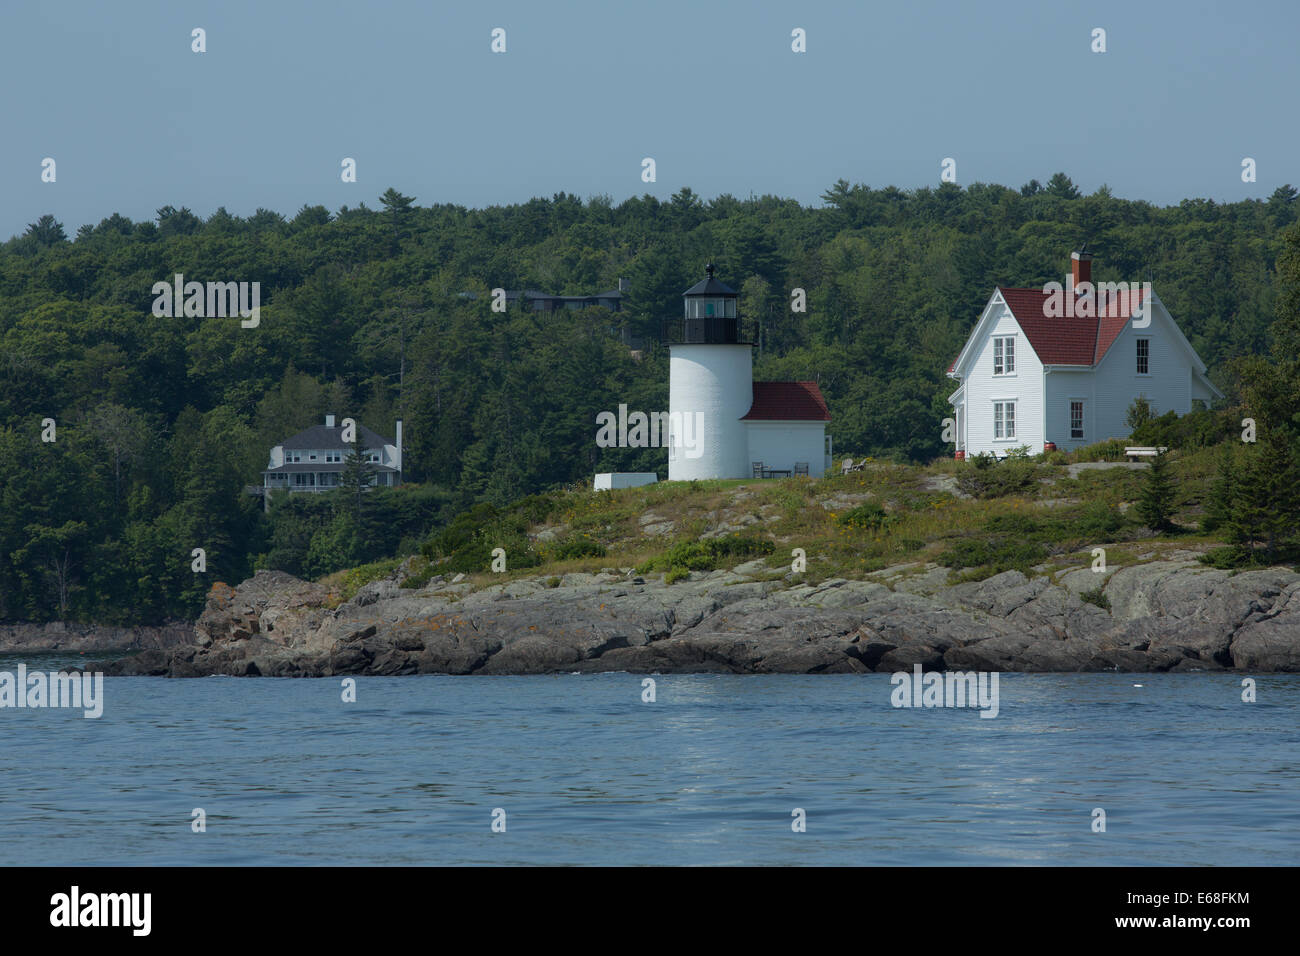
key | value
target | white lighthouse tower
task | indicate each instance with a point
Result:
(710, 387)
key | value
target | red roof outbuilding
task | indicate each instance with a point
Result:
(787, 402)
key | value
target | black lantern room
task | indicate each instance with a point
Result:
(710, 312)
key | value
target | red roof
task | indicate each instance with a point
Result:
(788, 402)
(1074, 340)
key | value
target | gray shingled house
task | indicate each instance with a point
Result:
(312, 460)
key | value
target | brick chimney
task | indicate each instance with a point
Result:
(1081, 267)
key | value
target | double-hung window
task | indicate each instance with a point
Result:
(1004, 354)
(1144, 356)
(1004, 420)
(1076, 419)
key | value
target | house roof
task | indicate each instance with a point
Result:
(530, 294)
(320, 467)
(787, 402)
(1075, 340)
(327, 437)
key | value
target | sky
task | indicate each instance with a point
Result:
(711, 90)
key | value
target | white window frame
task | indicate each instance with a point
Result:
(1000, 419)
(1138, 356)
(1083, 418)
(1004, 351)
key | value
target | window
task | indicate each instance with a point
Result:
(710, 308)
(1144, 356)
(1004, 420)
(1076, 419)
(1004, 355)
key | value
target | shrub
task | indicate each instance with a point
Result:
(418, 574)
(466, 543)
(1112, 449)
(1011, 542)
(1139, 413)
(987, 480)
(1096, 596)
(868, 515)
(1228, 558)
(1021, 526)
(1198, 429)
(993, 555)
(419, 580)
(707, 554)
(1096, 520)
(534, 508)
(675, 574)
(577, 548)
(356, 578)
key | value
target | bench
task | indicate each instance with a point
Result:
(1134, 452)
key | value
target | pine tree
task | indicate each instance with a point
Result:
(1218, 506)
(358, 475)
(1266, 503)
(1156, 505)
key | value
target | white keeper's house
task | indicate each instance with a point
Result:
(313, 460)
(1063, 363)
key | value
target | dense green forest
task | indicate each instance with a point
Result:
(159, 423)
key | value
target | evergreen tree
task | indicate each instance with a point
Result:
(358, 475)
(1266, 502)
(1218, 506)
(397, 210)
(1156, 505)
(1061, 185)
(46, 232)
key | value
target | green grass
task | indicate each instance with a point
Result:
(849, 525)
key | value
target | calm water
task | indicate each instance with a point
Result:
(708, 774)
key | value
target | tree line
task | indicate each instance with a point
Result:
(384, 313)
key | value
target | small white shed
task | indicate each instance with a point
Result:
(609, 480)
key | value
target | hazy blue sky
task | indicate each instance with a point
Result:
(710, 90)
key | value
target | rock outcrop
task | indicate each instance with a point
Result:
(64, 638)
(1169, 615)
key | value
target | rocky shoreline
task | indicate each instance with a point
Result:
(1173, 615)
(59, 637)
